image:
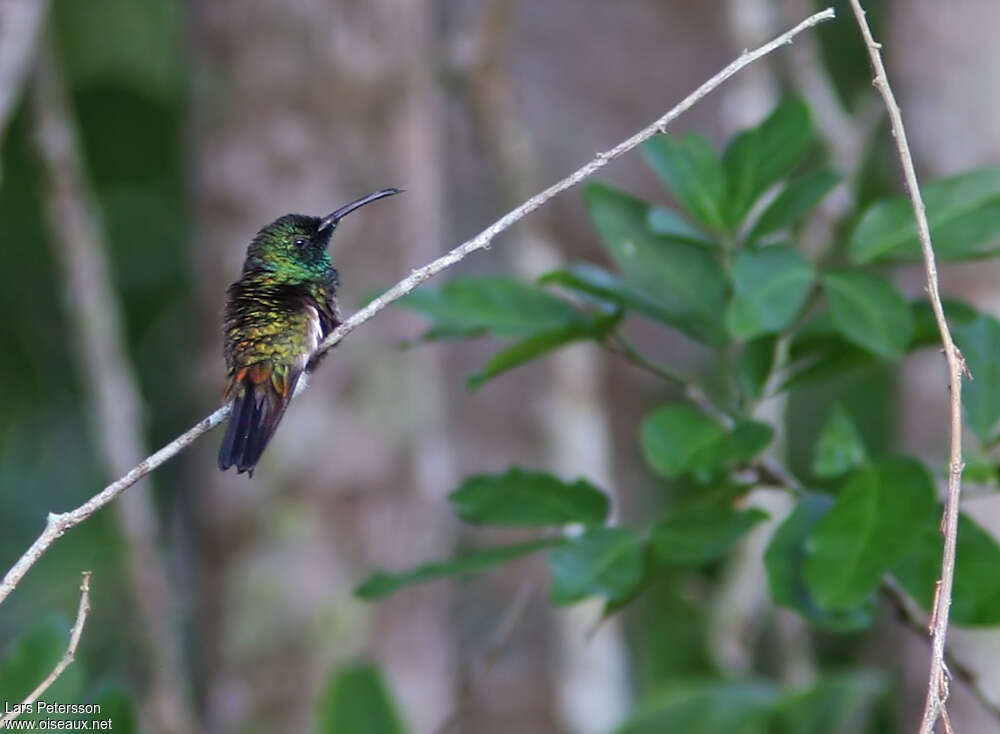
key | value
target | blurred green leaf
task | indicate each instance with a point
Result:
(784, 562)
(383, 583)
(818, 357)
(31, 657)
(520, 497)
(755, 364)
(870, 529)
(818, 353)
(742, 443)
(793, 203)
(686, 281)
(117, 704)
(672, 436)
(701, 533)
(692, 171)
(979, 342)
(925, 329)
(869, 311)
(668, 223)
(963, 213)
(976, 594)
(758, 157)
(357, 700)
(770, 286)
(838, 704)
(605, 562)
(502, 306)
(542, 343)
(672, 627)
(840, 447)
(608, 289)
(710, 708)
(677, 439)
(980, 468)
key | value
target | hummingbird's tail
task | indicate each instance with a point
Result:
(259, 398)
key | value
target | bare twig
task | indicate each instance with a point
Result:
(58, 524)
(74, 640)
(94, 313)
(937, 686)
(21, 24)
(910, 614)
(511, 617)
(623, 348)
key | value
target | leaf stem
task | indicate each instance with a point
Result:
(623, 348)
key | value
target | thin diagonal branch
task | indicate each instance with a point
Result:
(58, 524)
(74, 640)
(937, 685)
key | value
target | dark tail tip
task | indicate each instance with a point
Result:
(247, 434)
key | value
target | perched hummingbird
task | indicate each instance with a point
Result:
(277, 313)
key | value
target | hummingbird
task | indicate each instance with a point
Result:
(277, 313)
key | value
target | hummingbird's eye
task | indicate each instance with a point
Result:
(300, 242)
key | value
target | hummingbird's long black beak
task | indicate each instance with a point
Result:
(334, 217)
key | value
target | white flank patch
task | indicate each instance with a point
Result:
(313, 336)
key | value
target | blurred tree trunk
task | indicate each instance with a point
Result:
(300, 107)
(590, 677)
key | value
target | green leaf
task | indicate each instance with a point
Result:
(979, 342)
(963, 213)
(685, 281)
(701, 533)
(502, 306)
(823, 358)
(755, 364)
(758, 157)
(838, 704)
(668, 223)
(868, 531)
(383, 583)
(770, 286)
(793, 203)
(925, 328)
(357, 700)
(608, 289)
(711, 708)
(976, 594)
(31, 657)
(605, 562)
(691, 170)
(672, 436)
(540, 344)
(840, 447)
(677, 439)
(980, 469)
(527, 498)
(742, 443)
(869, 311)
(784, 562)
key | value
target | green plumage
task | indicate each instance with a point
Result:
(277, 313)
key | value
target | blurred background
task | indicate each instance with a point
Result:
(144, 142)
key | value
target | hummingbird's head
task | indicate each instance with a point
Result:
(294, 246)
